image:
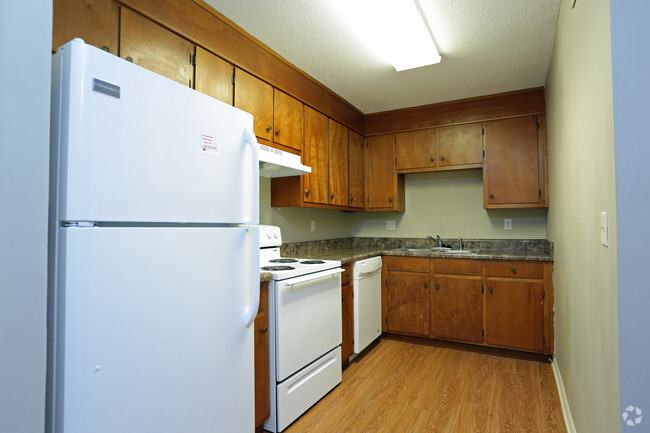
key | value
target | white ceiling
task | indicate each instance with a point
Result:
(487, 46)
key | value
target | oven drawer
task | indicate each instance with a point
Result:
(299, 392)
(307, 320)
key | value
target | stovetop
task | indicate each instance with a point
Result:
(288, 267)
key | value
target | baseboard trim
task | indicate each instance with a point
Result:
(568, 419)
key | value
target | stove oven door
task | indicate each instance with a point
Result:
(307, 319)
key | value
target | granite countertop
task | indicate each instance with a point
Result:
(349, 250)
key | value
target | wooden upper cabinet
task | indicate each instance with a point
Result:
(460, 145)
(315, 155)
(95, 21)
(213, 76)
(287, 120)
(151, 46)
(416, 149)
(338, 163)
(356, 146)
(515, 152)
(384, 190)
(256, 97)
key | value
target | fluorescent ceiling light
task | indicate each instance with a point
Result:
(394, 28)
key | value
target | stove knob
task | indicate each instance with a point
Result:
(268, 235)
(275, 235)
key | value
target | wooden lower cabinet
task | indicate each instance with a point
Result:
(262, 378)
(347, 300)
(457, 308)
(496, 303)
(406, 287)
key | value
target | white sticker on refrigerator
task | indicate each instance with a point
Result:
(209, 145)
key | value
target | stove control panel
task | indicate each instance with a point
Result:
(270, 236)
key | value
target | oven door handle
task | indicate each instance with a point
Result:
(297, 283)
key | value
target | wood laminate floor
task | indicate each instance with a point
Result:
(401, 387)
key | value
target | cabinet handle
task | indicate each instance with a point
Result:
(347, 275)
(269, 129)
(390, 200)
(307, 193)
(129, 59)
(492, 196)
(277, 132)
(332, 196)
(351, 199)
(490, 289)
(344, 298)
(514, 270)
(432, 159)
(426, 285)
(105, 48)
(264, 330)
(442, 158)
(437, 286)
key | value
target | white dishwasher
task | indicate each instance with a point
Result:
(367, 302)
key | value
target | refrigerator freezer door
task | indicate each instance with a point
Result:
(150, 330)
(134, 146)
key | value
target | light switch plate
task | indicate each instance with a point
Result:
(313, 225)
(604, 229)
(507, 223)
(390, 224)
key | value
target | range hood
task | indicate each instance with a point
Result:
(277, 163)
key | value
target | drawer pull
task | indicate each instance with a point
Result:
(514, 270)
(490, 289)
(426, 285)
(437, 286)
(264, 330)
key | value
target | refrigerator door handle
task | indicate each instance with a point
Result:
(251, 140)
(251, 311)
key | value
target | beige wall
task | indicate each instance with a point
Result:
(581, 173)
(450, 204)
(296, 222)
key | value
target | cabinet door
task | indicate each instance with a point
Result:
(213, 76)
(514, 314)
(457, 308)
(355, 169)
(151, 46)
(315, 155)
(380, 168)
(338, 163)
(347, 346)
(287, 120)
(262, 377)
(407, 296)
(513, 163)
(256, 97)
(95, 21)
(460, 145)
(416, 149)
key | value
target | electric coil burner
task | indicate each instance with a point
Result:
(304, 330)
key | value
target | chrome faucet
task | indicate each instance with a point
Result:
(438, 240)
(460, 243)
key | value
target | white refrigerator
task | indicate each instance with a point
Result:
(154, 253)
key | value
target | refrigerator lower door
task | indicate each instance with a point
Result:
(149, 330)
(302, 390)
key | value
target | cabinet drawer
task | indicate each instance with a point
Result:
(515, 269)
(408, 264)
(457, 266)
(346, 276)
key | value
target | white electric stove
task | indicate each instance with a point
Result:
(304, 329)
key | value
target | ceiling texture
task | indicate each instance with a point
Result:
(486, 47)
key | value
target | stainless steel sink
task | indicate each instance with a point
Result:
(440, 249)
(415, 250)
(462, 251)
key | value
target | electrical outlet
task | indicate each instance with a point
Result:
(604, 229)
(313, 225)
(390, 224)
(507, 223)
